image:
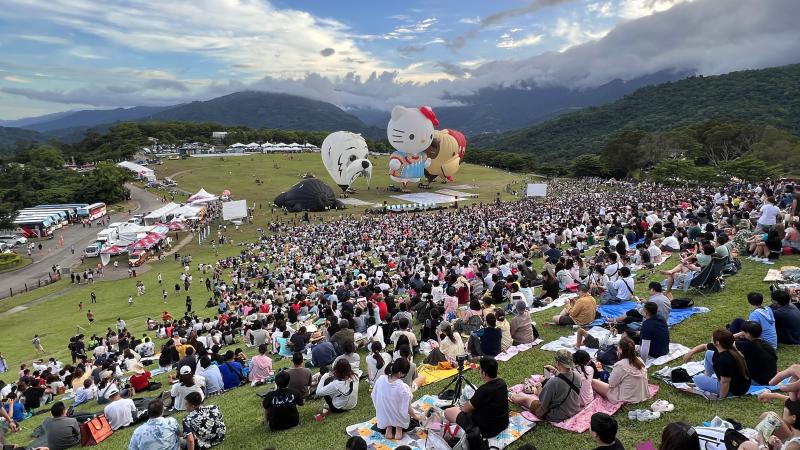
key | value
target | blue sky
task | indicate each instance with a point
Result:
(58, 55)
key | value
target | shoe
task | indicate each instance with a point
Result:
(646, 415)
(661, 406)
(319, 417)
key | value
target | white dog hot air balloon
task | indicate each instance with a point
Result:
(344, 155)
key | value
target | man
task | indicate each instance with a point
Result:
(612, 270)
(34, 396)
(258, 334)
(62, 432)
(322, 354)
(560, 397)
(761, 359)
(146, 349)
(203, 426)
(787, 318)
(158, 433)
(486, 341)
(121, 412)
(487, 410)
(280, 405)
(763, 315)
(404, 329)
(121, 325)
(552, 254)
(632, 319)
(604, 431)
(189, 360)
(671, 243)
(213, 377)
(580, 311)
(345, 334)
(299, 377)
(769, 214)
(86, 393)
(654, 334)
(37, 344)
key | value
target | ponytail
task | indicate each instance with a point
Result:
(376, 354)
(726, 341)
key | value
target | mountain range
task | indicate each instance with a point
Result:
(762, 97)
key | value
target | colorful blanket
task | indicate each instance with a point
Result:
(433, 374)
(417, 438)
(696, 367)
(579, 423)
(604, 336)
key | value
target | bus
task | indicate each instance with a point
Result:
(70, 208)
(35, 227)
(92, 212)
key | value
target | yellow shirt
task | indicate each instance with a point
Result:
(584, 310)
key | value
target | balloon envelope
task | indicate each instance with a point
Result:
(309, 194)
(344, 155)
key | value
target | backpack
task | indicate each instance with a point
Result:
(733, 267)
(608, 355)
(476, 442)
(679, 303)
(716, 438)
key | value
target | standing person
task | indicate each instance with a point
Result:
(160, 278)
(130, 300)
(392, 400)
(487, 410)
(61, 432)
(80, 306)
(37, 344)
(280, 405)
(93, 297)
(90, 317)
(164, 295)
(204, 426)
(158, 433)
(188, 304)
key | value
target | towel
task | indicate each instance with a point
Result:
(514, 350)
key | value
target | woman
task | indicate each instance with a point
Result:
(339, 388)
(450, 343)
(411, 375)
(679, 436)
(260, 366)
(585, 370)
(787, 435)
(376, 361)
(550, 289)
(563, 276)
(725, 368)
(392, 400)
(628, 380)
(374, 331)
(184, 387)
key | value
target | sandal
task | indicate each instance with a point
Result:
(662, 406)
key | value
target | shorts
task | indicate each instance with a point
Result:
(464, 420)
(565, 320)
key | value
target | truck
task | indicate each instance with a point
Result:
(93, 249)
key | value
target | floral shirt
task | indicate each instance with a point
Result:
(207, 426)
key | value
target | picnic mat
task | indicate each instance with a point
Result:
(696, 367)
(433, 374)
(676, 316)
(604, 336)
(416, 439)
(559, 302)
(579, 423)
(515, 350)
(773, 275)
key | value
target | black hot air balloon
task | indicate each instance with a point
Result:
(309, 194)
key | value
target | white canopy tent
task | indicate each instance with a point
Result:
(235, 210)
(160, 215)
(201, 196)
(141, 171)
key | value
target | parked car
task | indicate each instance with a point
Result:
(137, 258)
(93, 250)
(13, 239)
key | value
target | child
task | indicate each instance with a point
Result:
(280, 405)
(14, 407)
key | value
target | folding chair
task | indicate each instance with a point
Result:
(709, 280)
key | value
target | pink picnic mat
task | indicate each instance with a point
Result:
(579, 423)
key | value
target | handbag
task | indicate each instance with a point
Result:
(95, 431)
(608, 355)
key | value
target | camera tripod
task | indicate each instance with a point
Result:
(460, 380)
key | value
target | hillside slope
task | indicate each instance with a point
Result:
(763, 97)
(9, 136)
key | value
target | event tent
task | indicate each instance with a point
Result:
(201, 196)
(141, 171)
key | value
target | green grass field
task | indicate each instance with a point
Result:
(58, 318)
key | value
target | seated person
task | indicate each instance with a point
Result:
(487, 410)
(260, 366)
(628, 380)
(61, 431)
(35, 396)
(392, 400)
(763, 315)
(621, 289)
(632, 319)
(505, 330)
(322, 354)
(450, 343)
(681, 275)
(376, 362)
(14, 407)
(653, 337)
(521, 326)
(121, 412)
(560, 397)
(787, 435)
(140, 380)
(579, 311)
(787, 317)
(344, 334)
(349, 354)
(86, 393)
(604, 431)
(214, 383)
(761, 359)
(187, 383)
(203, 426)
(339, 388)
(231, 371)
(726, 370)
(486, 341)
(280, 405)
(300, 376)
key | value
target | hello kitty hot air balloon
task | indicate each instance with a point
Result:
(410, 132)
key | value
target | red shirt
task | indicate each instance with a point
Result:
(140, 382)
(383, 311)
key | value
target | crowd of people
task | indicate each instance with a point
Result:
(317, 293)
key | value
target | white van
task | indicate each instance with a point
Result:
(93, 250)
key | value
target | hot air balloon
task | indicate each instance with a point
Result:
(344, 155)
(446, 154)
(410, 132)
(309, 194)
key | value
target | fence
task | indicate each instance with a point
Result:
(31, 285)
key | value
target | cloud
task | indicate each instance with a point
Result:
(44, 39)
(634, 9)
(574, 33)
(85, 53)
(327, 51)
(470, 20)
(603, 9)
(16, 79)
(500, 16)
(508, 42)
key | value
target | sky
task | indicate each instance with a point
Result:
(58, 55)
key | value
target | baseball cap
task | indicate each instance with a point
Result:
(185, 370)
(564, 357)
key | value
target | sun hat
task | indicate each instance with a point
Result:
(138, 368)
(564, 357)
(105, 374)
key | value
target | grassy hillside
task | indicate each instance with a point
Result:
(762, 97)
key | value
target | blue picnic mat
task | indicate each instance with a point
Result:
(676, 316)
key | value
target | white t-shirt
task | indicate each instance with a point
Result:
(375, 333)
(372, 366)
(671, 242)
(769, 212)
(179, 393)
(120, 413)
(655, 252)
(612, 270)
(623, 293)
(391, 400)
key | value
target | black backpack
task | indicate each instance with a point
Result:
(476, 442)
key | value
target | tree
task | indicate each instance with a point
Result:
(588, 166)
(725, 141)
(46, 157)
(623, 153)
(749, 168)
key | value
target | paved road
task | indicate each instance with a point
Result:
(75, 235)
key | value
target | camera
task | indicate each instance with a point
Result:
(461, 359)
